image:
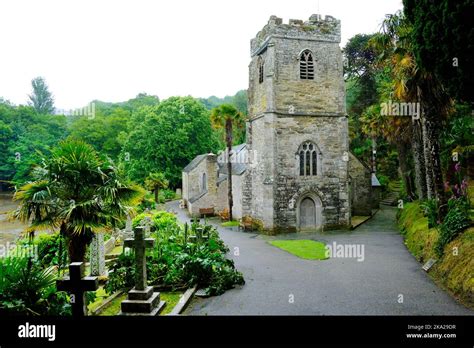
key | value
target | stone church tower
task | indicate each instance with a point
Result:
(298, 129)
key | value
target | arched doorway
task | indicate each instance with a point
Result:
(309, 216)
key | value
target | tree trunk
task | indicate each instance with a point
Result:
(433, 128)
(156, 196)
(427, 159)
(402, 148)
(419, 160)
(77, 246)
(228, 130)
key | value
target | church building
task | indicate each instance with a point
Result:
(295, 172)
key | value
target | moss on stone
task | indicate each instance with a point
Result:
(455, 270)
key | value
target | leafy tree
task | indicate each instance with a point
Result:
(104, 131)
(410, 83)
(443, 42)
(226, 116)
(25, 138)
(361, 84)
(166, 137)
(155, 182)
(79, 191)
(41, 98)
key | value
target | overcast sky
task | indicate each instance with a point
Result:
(113, 50)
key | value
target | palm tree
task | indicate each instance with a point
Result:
(79, 192)
(226, 116)
(412, 84)
(155, 182)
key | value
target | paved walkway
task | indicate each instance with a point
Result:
(278, 283)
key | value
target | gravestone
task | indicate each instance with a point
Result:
(128, 232)
(147, 225)
(141, 300)
(97, 255)
(109, 245)
(77, 285)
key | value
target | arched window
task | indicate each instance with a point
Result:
(204, 182)
(260, 69)
(306, 65)
(308, 159)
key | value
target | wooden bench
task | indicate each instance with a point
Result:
(206, 212)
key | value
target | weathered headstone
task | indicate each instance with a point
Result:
(76, 284)
(147, 225)
(141, 300)
(97, 255)
(128, 232)
(109, 245)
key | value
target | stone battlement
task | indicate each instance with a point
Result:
(315, 28)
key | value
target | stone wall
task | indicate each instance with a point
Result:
(284, 112)
(222, 198)
(193, 185)
(361, 187)
(331, 182)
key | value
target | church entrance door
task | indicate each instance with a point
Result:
(308, 213)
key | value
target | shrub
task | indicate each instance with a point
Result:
(163, 220)
(148, 202)
(121, 274)
(182, 258)
(139, 219)
(160, 221)
(167, 195)
(455, 221)
(28, 289)
(52, 249)
(431, 211)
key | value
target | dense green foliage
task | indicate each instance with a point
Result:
(78, 191)
(166, 138)
(443, 39)
(455, 267)
(158, 220)
(52, 250)
(113, 129)
(26, 288)
(25, 138)
(180, 259)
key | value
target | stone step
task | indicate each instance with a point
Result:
(140, 306)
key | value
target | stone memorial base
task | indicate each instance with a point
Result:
(142, 302)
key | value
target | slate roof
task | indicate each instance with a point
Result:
(194, 163)
(237, 168)
(375, 181)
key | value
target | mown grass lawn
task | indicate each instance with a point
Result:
(230, 223)
(305, 249)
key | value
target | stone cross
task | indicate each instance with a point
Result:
(76, 284)
(140, 243)
(128, 224)
(97, 255)
(147, 224)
